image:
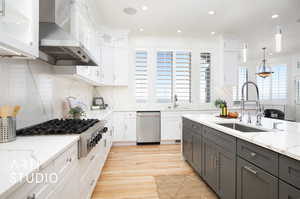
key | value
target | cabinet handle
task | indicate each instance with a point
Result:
(93, 157)
(31, 197)
(2, 12)
(105, 143)
(92, 182)
(250, 170)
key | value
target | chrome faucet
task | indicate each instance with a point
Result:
(259, 113)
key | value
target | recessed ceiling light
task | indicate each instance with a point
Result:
(275, 16)
(213, 33)
(179, 31)
(130, 11)
(144, 8)
(141, 29)
(212, 12)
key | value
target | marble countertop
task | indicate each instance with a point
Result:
(27, 155)
(285, 141)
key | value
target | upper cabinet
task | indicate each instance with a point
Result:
(19, 28)
(230, 59)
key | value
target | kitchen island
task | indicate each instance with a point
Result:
(263, 163)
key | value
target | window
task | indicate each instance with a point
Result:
(279, 82)
(173, 76)
(141, 76)
(205, 86)
(183, 76)
(274, 87)
(242, 78)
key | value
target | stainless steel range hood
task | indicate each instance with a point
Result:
(58, 46)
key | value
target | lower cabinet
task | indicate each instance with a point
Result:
(187, 145)
(226, 170)
(254, 183)
(197, 152)
(287, 191)
(210, 167)
(219, 169)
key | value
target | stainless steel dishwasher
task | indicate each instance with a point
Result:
(148, 127)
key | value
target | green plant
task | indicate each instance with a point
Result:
(219, 103)
(76, 112)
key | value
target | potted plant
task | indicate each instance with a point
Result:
(76, 112)
(222, 104)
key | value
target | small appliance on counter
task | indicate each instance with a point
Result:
(98, 104)
(8, 127)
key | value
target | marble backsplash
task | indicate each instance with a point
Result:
(34, 86)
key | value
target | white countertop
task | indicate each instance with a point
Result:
(285, 141)
(27, 155)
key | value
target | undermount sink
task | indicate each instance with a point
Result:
(242, 128)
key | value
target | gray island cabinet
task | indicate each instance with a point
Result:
(237, 169)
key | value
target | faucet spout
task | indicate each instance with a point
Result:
(259, 113)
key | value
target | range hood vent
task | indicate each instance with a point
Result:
(57, 46)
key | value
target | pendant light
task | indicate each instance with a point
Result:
(278, 40)
(264, 71)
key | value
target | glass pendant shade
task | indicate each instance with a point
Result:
(264, 70)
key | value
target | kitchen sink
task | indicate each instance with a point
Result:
(240, 127)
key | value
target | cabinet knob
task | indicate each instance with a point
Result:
(253, 154)
(31, 197)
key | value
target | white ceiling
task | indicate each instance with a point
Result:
(250, 20)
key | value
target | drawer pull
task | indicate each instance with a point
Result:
(31, 197)
(253, 154)
(250, 170)
(194, 126)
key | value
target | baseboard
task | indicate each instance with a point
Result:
(133, 143)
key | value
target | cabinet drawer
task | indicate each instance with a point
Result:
(289, 170)
(287, 191)
(35, 187)
(261, 157)
(225, 141)
(255, 183)
(66, 160)
(192, 125)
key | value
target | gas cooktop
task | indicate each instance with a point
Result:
(59, 127)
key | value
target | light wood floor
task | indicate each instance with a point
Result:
(149, 172)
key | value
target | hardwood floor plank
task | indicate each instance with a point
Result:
(149, 172)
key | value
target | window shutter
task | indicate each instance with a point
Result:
(205, 77)
(164, 76)
(141, 76)
(183, 76)
(264, 86)
(242, 78)
(279, 82)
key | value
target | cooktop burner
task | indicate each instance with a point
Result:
(59, 127)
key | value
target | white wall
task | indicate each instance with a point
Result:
(124, 97)
(291, 62)
(40, 93)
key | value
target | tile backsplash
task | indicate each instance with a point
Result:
(34, 86)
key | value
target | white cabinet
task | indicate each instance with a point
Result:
(107, 59)
(65, 167)
(19, 28)
(124, 126)
(121, 58)
(171, 125)
(88, 74)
